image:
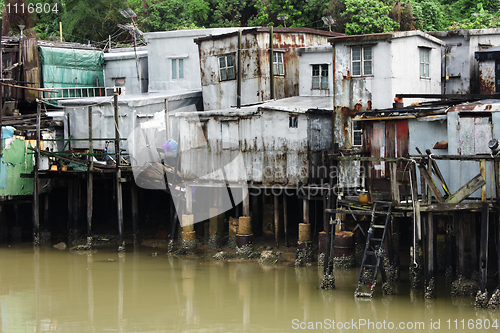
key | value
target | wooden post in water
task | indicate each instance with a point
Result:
(70, 210)
(431, 237)
(483, 257)
(90, 180)
(36, 183)
(135, 211)
(276, 220)
(118, 178)
(285, 218)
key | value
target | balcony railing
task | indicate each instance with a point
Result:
(80, 92)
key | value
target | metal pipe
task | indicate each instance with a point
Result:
(36, 183)
(271, 51)
(90, 180)
(238, 83)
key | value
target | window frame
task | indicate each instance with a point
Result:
(362, 60)
(422, 62)
(227, 67)
(277, 61)
(177, 68)
(320, 77)
(357, 128)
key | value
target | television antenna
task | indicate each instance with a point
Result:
(329, 21)
(134, 31)
(283, 18)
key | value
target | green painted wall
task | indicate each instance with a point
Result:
(16, 159)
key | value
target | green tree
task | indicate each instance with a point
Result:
(92, 20)
(268, 12)
(231, 13)
(368, 16)
(157, 15)
(429, 15)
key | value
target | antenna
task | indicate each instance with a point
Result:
(283, 18)
(329, 21)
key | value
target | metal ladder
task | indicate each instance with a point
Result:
(374, 249)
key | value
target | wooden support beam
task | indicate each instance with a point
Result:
(394, 183)
(416, 203)
(483, 256)
(460, 234)
(482, 167)
(450, 258)
(496, 167)
(118, 176)
(90, 180)
(465, 191)
(36, 183)
(431, 184)
(450, 207)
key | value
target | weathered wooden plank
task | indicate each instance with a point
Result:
(394, 183)
(483, 256)
(450, 207)
(431, 184)
(465, 191)
(482, 167)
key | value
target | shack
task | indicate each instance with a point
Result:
(263, 65)
(127, 69)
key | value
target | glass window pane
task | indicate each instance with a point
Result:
(223, 75)
(358, 138)
(181, 68)
(174, 68)
(422, 70)
(229, 60)
(315, 82)
(367, 53)
(222, 62)
(315, 70)
(356, 53)
(230, 73)
(421, 55)
(281, 69)
(427, 70)
(324, 70)
(280, 57)
(274, 57)
(356, 68)
(367, 68)
(275, 69)
(324, 82)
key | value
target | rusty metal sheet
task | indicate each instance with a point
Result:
(487, 77)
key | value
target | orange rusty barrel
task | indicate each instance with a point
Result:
(344, 243)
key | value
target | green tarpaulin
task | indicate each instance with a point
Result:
(64, 67)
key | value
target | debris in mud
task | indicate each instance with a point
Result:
(303, 256)
(270, 257)
(321, 259)
(220, 255)
(464, 288)
(189, 245)
(215, 242)
(60, 246)
(245, 250)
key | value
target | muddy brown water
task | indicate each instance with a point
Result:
(47, 290)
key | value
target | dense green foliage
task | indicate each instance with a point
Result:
(95, 20)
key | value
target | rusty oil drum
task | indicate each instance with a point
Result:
(243, 239)
(344, 243)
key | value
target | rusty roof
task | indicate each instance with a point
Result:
(489, 105)
(266, 30)
(384, 35)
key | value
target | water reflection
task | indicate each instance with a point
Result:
(47, 290)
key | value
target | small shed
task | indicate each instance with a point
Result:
(283, 142)
(127, 69)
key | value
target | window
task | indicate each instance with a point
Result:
(293, 122)
(177, 68)
(226, 67)
(320, 76)
(278, 67)
(119, 81)
(357, 134)
(424, 63)
(361, 61)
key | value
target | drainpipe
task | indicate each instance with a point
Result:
(271, 51)
(238, 87)
(334, 113)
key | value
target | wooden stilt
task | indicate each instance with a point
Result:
(46, 220)
(450, 258)
(90, 180)
(276, 220)
(118, 176)
(483, 257)
(36, 189)
(135, 211)
(460, 229)
(70, 210)
(285, 218)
